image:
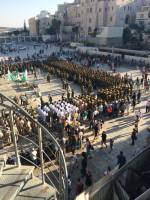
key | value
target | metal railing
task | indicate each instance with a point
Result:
(60, 182)
(103, 189)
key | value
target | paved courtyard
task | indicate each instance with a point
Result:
(119, 129)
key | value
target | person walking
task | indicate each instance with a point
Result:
(48, 78)
(50, 99)
(134, 97)
(69, 187)
(121, 159)
(96, 130)
(108, 171)
(84, 164)
(79, 186)
(148, 106)
(138, 115)
(133, 104)
(72, 93)
(88, 179)
(133, 136)
(127, 104)
(139, 96)
(74, 162)
(88, 147)
(35, 74)
(104, 138)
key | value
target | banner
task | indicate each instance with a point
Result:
(15, 76)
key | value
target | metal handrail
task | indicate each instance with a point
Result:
(37, 147)
(39, 168)
(17, 108)
(50, 171)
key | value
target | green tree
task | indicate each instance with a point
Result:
(50, 31)
(75, 30)
(126, 35)
(54, 28)
(16, 33)
(56, 25)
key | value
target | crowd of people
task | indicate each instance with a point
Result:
(103, 96)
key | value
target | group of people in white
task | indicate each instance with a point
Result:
(61, 108)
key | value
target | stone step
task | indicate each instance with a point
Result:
(3, 159)
(12, 180)
(1, 167)
(34, 189)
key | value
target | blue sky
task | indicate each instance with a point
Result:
(13, 12)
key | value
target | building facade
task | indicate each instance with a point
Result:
(45, 21)
(96, 14)
(33, 26)
(69, 13)
(143, 16)
(38, 25)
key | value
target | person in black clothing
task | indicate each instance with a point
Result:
(68, 95)
(139, 96)
(133, 136)
(121, 159)
(88, 179)
(115, 109)
(134, 97)
(96, 130)
(133, 104)
(73, 143)
(48, 78)
(50, 99)
(42, 102)
(84, 164)
(104, 137)
(72, 93)
(142, 80)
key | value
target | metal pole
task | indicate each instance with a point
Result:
(14, 138)
(41, 153)
(63, 186)
(60, 176)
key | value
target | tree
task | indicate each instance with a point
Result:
(126, 35)
(24, 26)
(75, 30)
(50, 31)
(16, 33)
(54, 28)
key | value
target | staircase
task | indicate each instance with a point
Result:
(19, 183)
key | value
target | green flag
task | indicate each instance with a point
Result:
(24, 76)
